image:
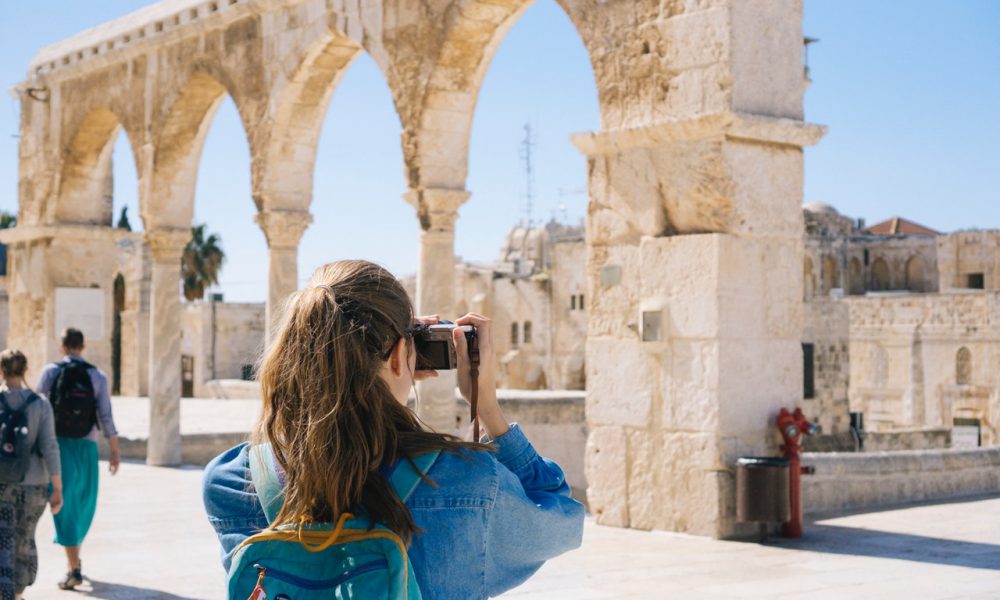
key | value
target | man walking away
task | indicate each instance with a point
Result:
(81, 403)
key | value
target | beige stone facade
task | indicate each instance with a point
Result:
(884, 341)
(535, 292)
(693, 245)
(220, 340)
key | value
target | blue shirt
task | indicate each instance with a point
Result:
(493, 520)
(101, 391)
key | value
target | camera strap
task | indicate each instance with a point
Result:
(474, 381)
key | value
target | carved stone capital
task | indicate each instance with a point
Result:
(167, 245)
(283, 228)
(437, 208)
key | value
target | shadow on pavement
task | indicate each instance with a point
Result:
(120, 591)
(855, 541)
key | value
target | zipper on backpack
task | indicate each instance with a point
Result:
(310, 584)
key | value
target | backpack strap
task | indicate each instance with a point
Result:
(267, 484)
(404, 479)
(270, 489)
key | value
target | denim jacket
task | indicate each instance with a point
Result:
(489, 525)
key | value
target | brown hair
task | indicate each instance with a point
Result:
(13, 363)
(72, 339)
(331, 419)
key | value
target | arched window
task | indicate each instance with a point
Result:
(963, 366)
(856, 277)
(915, 274)
(808, 282)
(880, 275)
(831, 274)
(527, 332)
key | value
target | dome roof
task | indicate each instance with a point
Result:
(820, 207)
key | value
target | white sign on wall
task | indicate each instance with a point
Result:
(82, 308)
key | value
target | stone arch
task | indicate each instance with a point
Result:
(283, 175)
(880, 280)
(178, 143)
(831, 274)
(855, 277)
(915, 278)
(808, 279)
(963, 366)
(436, 153)
(85, 183)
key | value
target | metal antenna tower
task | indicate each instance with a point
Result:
(526, 153)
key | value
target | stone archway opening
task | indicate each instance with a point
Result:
(359, 177)
(528, 185)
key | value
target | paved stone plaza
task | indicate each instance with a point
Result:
(150, 541)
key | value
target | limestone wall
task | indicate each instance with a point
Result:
(239, 338)
(826, 325)
(968, 253)
(923, 360)
(866, 480)
(4, 312)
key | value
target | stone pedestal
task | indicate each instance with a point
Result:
(164, 448)
(283, 230)
(437, 210)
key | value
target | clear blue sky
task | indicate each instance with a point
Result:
(910, 91)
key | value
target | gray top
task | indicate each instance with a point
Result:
(41, 434)
(101, 391)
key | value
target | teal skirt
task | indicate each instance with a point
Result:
(78, 458)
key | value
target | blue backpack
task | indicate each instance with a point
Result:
(322, 560)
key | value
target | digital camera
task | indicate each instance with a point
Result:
(435, 345)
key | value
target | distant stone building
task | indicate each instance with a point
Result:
(534, 292)
(902, 324)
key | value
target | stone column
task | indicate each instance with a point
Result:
(437, 210)
(283, 230)
(694, 338)
(164, 446)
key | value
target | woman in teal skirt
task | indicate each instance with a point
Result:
(79, 454)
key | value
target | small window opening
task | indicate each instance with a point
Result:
(975, 281)
(527, 332)
(513, 334)
(809, 371)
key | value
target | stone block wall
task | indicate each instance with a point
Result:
(906, 353)
(965, 253)
(826, 325)
(239, 339)
(866, 480)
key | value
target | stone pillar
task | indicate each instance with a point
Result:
(283, 230)
(694, 337)
(437, 210)
(164, 446)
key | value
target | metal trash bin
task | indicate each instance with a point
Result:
(762, 489)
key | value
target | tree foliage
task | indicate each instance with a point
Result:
(123, 222)
(201, 263)
(7, 220)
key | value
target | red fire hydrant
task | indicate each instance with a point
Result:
(792, 425)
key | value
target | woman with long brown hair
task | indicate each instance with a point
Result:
(335, 381)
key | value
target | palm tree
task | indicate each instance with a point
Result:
(7, 220)
(123, 222)
(201, 263)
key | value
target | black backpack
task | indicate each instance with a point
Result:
(74, 404)
(15, 451)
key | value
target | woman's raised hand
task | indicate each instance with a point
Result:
(490, 415)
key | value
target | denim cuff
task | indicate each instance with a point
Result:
(514, 451)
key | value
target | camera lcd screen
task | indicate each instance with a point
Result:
(433, 356)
